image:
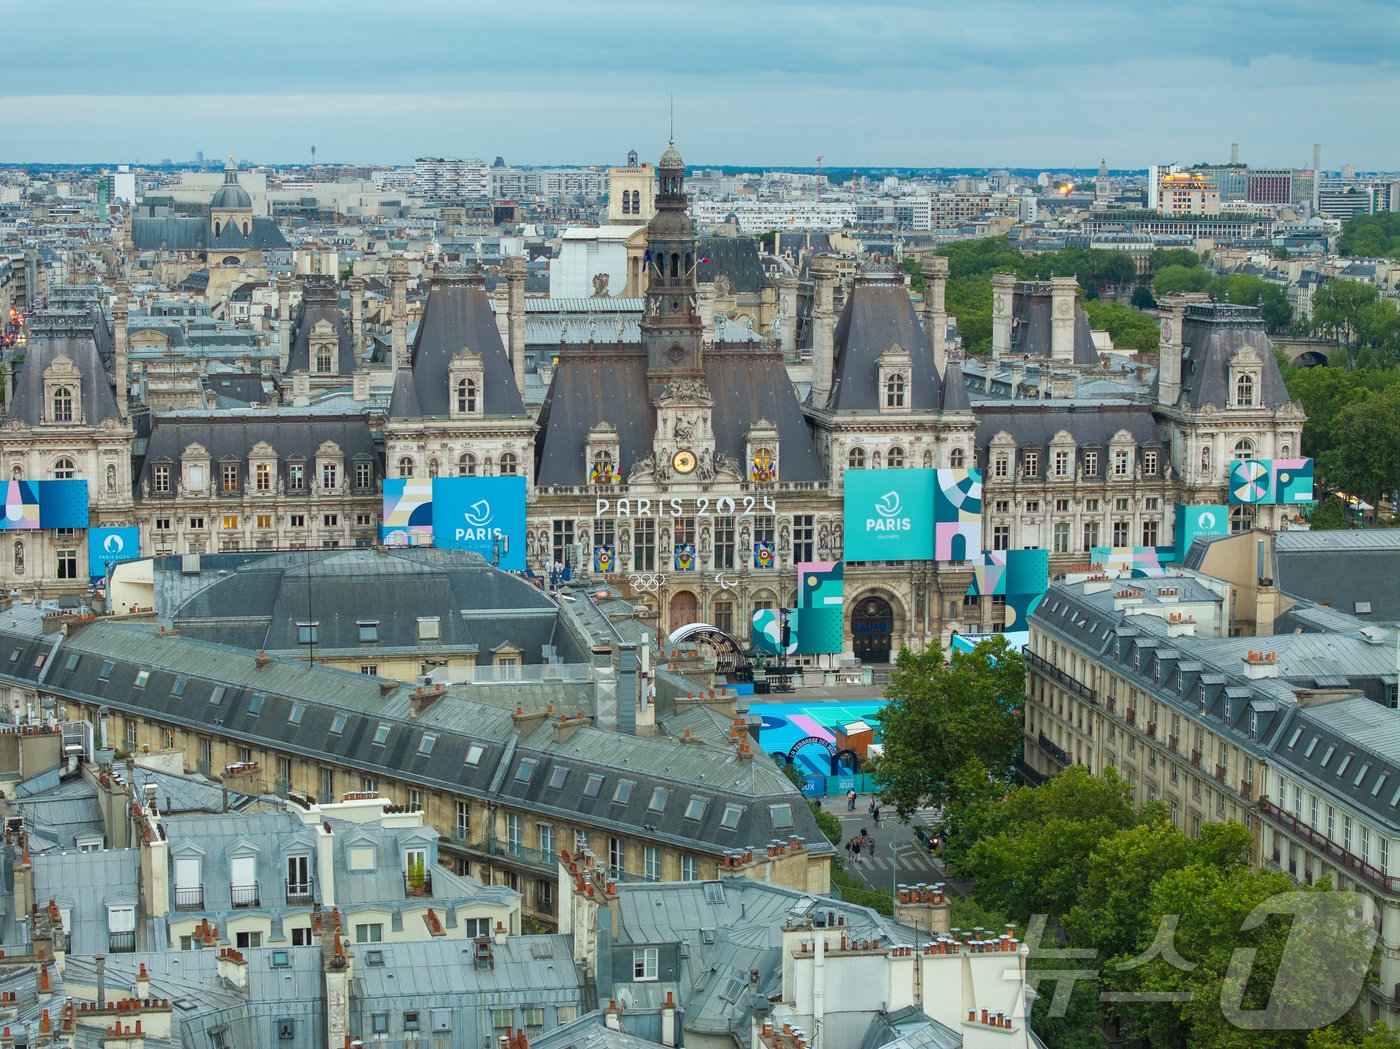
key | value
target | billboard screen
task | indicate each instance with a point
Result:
(107, 546)
(1271, 481)
(470, 512)
(408, 512)
(1193, 521)
(44, 504)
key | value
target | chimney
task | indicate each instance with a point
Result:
(612, 1019)
(1062, 294)
(357, 315)
(143, 983)
(325, 863)
(668, 1020)
(1173, 314)
(359, 385)
(515, 282)
(233, 968)
(284, 322)
(398, 312)
(936, 310)
(823, 271)
(1003, 294)
(101, 962)
(120, 313)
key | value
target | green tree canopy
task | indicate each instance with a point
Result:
(1163, 257)
(941, 716)
(1365, 459)
(1372, 236)
(1329, 515)
(1143, 298)
(1173, 280)
(1129, 328)
(1354, 313)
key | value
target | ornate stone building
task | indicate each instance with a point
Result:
(703, 466)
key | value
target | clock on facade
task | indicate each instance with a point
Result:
(683, 461)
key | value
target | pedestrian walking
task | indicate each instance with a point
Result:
(875, 815)
(853, 847)
(870, 809)
(851, 800)
(870, 848)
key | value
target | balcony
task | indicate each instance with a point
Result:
(1246, 790)
(1043, 666)
(535, 858)
(246, 895)
(424, 886)
(1055, 753)
(189, 898)
(300, 892)
(121, 942)
(1220, 773)
(1171, 743)
(1132, 716)
(1353, 865)
(1195, 757)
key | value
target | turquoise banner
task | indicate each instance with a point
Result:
(889, 515)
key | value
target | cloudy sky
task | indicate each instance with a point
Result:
(898, 82)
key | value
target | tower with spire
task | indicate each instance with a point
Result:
(672, 329)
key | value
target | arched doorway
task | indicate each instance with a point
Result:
(685, 609)
(872, 627)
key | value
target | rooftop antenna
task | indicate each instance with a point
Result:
(673, 120)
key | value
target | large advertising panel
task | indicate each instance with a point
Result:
(913, 515)
(470, 513)
(1271, 481)
(820, 603)
(408, 512)
(44, 504)
(1193, 521)
(107, 546)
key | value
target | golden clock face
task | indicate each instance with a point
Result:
(683, 461)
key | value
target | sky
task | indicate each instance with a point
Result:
(987, 83)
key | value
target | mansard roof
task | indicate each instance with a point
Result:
(594, 384)
(1213, 334)
(79, 336)
(456, 316)
(879, 314)
(1031, 323)
(320, 302)
(1035, 423)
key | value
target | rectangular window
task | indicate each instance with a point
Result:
(546, 833)
(327, 785)
(329, 476)
(1061, 463)
(1091, 464)
(1001, 537)
(364, 475)
(330, 520)
(160, 479)
(644, 964)
(617, 856)
(1120, 533)
(651, 863)
(724, 543)
(429, 628)
(563, 540)
(690, 868)
(1149, 464)
(1121, 460)
(1149, 533)
(1061, 537)
(513, 827)
(369, 932)
(369, 669)
(228, 478)
(296, 477)
(644, 544)
(230, 522)
(804, 538)
(461, 825)
(1030, 463)
(1000, 466)
(67, 563)
(308, 633)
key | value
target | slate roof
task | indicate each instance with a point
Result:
(456, 316)
(231, 435)
(260, 601)
(1212, 333)
(1348, 570)
(342, 713)
(877, 315)
(1034, 424)
(735, 258)
(81, 343)
(1031, 324)
(195, 233)
(320, 302)
(596, 383)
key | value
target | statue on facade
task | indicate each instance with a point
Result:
(722, 286)
(685, 428)
(600, 285)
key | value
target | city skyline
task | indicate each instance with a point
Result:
(776, 85)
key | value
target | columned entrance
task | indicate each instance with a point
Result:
(872, 628)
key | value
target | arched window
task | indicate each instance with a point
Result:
(1244, 450)
(1244, 391)
(466, 465)
(636, 202)
(603, 470)
(63, 405)
(466, 396)
(323, 359)
(675, 264)
(406, 466)
(895, 460)
(894, 391)
(64, 470)
(509, 464)
(217, 227)
(956, 458)
(432, 467)
(855, 460)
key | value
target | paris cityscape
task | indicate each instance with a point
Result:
(695, 536)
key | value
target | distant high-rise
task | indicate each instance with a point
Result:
(199, 159)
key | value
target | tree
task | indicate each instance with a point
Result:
(1365, 460)
(827, 823)
(1244, 289)
(1173, 280)
(1143, 298)
(969, 299)
(1129, 328)
(1207, 913)
(915, 270)
(942, 715)
(1328, 516)
(1164, 257)
(1281, 253)
(1372, 236)
(1034, 849)
(1343, 1036)
(1354, 313)
(1323, 393)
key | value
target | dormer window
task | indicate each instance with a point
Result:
(467, 382)
(63, 405)
(604, 469)
(1244, 391)
(894, 390)
(262, 477)
(466, 396)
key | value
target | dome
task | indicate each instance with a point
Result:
(231, 196)
(671, 158)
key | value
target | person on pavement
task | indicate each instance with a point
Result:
(851, 800)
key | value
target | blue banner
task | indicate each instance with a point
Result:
(107, 546)
(44, 504)
(470, 513)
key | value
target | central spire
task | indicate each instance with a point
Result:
(671, 327)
